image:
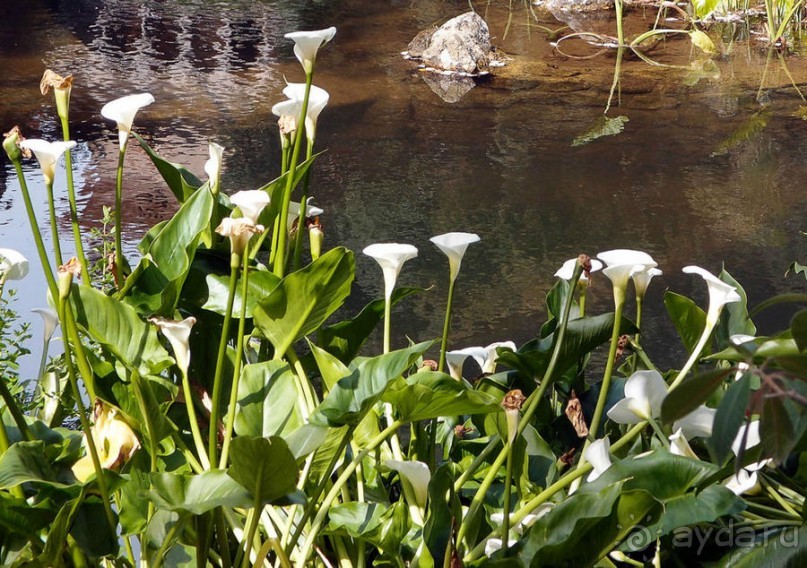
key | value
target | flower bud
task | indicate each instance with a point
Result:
(11, 144)
(315, 238)
(511, 403)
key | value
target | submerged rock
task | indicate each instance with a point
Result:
(461, 45)
(577, 5)
(450, 88)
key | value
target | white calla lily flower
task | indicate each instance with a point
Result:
(744, 481)
(417, 474)
(123, 111)
(47, 153)
(598, 454)
(720, 293)
(622, 264)
(454, 245)
(317, 100)
(491, 355)
(51, 320)
(311, 211)
(306, 45)
(494, 544)
(644, 393)
(251, 203)
(178, 333)
(455, 359)
(391, 257)
(13, 265)
(239, 231)
(566, 271)
(527, 521)
(751, 439)
(641, 280)
(114, 440)
(696, 424)
(213, 165)
(679, 445)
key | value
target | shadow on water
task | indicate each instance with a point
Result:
(403, 165)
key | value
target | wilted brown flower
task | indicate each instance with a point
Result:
(51, 80)
(574, 412)
(513, 400)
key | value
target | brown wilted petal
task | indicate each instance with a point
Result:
(622, 345)
(287, 124)
(51, 80)
(568, 457)
(461, 429)
(429, 365)
(585, 261)
(513, 400)
(574, 412)
(72, 266)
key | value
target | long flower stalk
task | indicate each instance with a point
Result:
(71, 199)
(119, 219)
(446, 327)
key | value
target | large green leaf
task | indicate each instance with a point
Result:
(259, 285)
(729, 417)
(156, 283)
(783, 548)
(776, 429)
(331, 369)
(265, 466)
(354, 395)
(383, 526)
(304, 299)
(117, 327)
(25, 462)
(444, 513)
(734, 318)
(181, 182)
(17, 516)
(798, 329)
(688, 318)
(267, 400)
(344, 339)
(427, 394)
(196, 494)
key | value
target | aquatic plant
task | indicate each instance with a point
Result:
(284, 440)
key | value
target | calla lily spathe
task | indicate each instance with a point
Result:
(456, 359)
(123, 111)
(391, 257)
(13, 265)
(679, 445)
(720, 293)
(213, 164)
(311, 211)
(622, 264)
(50, 319)
(697, 424)
(47, 153)
(114, 439)
(251, 203)
(492, 355)
(178, 333)
(644, 393)
(317, 100)
(454, 245)
(306, 45)
(641, 280)
(239, 231)
(598, 454)
(566, 271)
(417, 474)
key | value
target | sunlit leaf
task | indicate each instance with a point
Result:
(259, 285)
(267, 400)
(180, 181)
(603, 126)
(702, 41)
(689, 319)
(755, 124)
(265, 466)
(196, 494)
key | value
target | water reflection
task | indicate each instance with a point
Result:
(402, 165)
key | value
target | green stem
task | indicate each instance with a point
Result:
(279, 266)
(16, 414)
(119, 220)
(387, 324)
(619, 304)
(531, 406)
(84, 368)
(239, 350)
(337, 487)
(508, 483)
(193, 421)
(446, 327)
(494, 441)
(150, 430)
(301, 220)
(71, 198)
(168, 541)
(235, 262)
(54, 227)
(707, 332)
(40, 246)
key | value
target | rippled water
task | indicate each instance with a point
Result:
(402, 164)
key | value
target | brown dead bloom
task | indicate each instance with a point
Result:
(428, 365)
(72, 266)
(622, 345)
(460, 430)
(585, 261)
(51, 80)
(574, 412)
(513, 400)
(287, 124)
(11, 144)
(568, 457)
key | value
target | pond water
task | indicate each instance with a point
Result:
(694, 178)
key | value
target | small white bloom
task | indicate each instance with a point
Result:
(317, 100)
(679, 445)
(13, 265)
(491, 355)
(566, 271)
(250, 203)
(123, 111)
(391, 257)
(213, 165)
(751, 439)
(720, 293)
(644, 393)
(47, 153)
(621, 264)
(417, 474)
(454, 245)
(50, 318)
(306, 45)
(641, 279)
(178, 333)
(744, 481)
(696, 424)
(239, 231)
(456, 359)
(598, 454)
(311, 211)
(494, 544)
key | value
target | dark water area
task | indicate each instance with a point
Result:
(401, 164)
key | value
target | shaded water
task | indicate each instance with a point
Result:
(403, 165)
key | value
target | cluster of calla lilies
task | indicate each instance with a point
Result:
(292, 524)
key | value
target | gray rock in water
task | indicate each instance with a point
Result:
(462, 44)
